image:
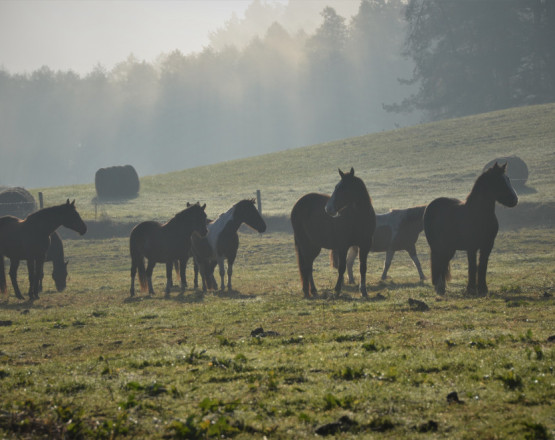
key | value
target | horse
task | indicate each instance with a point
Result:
(29, 240)
(164, 243)
(472, 225)
(55, 254)
(344, 219)
(396, 230)
(222, 241)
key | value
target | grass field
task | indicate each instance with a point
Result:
(92, 363)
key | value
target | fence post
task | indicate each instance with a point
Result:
(41, 201)
(259, 201)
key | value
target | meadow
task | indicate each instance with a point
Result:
(263, 362)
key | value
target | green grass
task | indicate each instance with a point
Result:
(91, 363)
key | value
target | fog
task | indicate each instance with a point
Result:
(280, 77)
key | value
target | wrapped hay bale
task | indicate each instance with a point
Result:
(17, 201)
(517, 170)
(117, 182)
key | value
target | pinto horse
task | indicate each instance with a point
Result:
(164, 244)
(396, 230)
(222, 241)
(29, 240)
(452, 225)
(338, 222)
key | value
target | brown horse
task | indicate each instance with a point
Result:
(222, 241)
(55, 253)
(29, 240)
(396, 230)
(338, 222)
(452, 225)
(164, 244)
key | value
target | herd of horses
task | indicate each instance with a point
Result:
(345, 223)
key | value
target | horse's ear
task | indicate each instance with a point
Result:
(67, 202)
(503, 167)
(204, 207)
(188, 204)
(341, 173)
(73, 203)
(352, 173)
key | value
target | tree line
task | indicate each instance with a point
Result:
(391, 64)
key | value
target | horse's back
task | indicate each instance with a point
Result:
(441, 218)
(310, 221)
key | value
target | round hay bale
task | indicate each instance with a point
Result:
(117, 182)
(517, 170)
(17, 201)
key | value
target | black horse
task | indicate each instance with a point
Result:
(29, 240)
(452, 225)
(338, 222)
(164, 244)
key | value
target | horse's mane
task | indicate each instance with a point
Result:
(481, 182)
(44, 211)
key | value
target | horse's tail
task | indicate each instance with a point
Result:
(441, 268)
(3, 287)
(138, 261)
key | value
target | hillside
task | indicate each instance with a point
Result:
(403, 167)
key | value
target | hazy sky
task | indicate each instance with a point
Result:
(78, 34)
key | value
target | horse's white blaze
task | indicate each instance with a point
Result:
(216, 228)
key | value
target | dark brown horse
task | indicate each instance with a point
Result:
(396, 230)
(452, 225)
(29, 240)
(55, 254)
(222, 241)
(338, 222)
(164, 244)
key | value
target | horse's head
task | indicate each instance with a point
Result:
(344, 194)
(246, 212)
(197, 217)
(71, 218)
(500, 186)
(59, 275)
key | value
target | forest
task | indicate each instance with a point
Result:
(391, 64)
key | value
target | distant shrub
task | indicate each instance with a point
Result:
(117, 182)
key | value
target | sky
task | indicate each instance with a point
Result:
(80, 34)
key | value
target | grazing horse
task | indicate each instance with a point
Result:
(164, 244)
(396, 230)
(452, 225)
(222, 241)
(29, 240)
(338, 222)
(55, 254)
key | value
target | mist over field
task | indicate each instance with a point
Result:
(282, 76)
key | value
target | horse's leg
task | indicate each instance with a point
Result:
(414, 257)
(195, 269)
(341, 267)
(221, 268)
(149, 270)
(482, 269)
(31, 269)
(388, 259)
(471, 285)
(351, 256)
(14, 264)
(183, 272)
(169, 281)
(38, 273)
(133, 273)
(305, 270)
(363, 258)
